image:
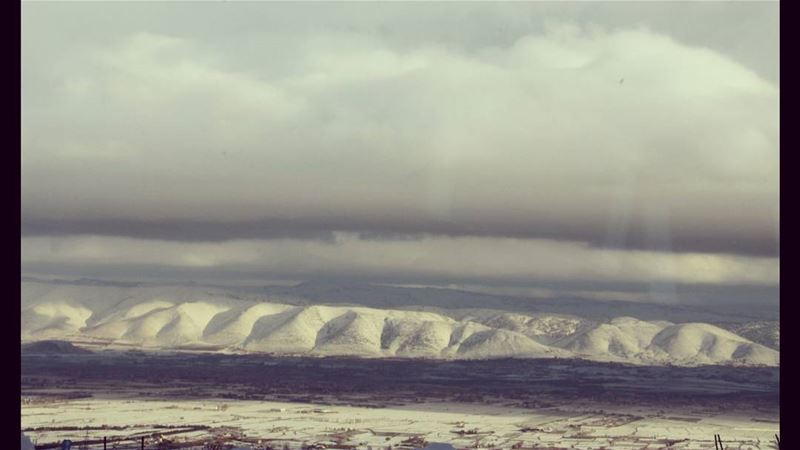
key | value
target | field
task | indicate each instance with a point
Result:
(256, 401)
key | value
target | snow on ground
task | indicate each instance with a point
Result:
(494, 425)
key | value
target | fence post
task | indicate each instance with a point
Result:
(104, 443)
(142, 442)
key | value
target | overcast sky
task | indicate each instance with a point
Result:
(518, 143)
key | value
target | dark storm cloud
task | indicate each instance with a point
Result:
(178, 230)
(635, 236)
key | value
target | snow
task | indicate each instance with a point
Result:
(568, 425)
(623, 337)
(503, 343)
(170, 317)
(351, 333)
(235, 325)
(53, 319)
(541, 328)
(706, 343)
(763, 332)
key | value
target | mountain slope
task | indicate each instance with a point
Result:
(177, 317)
(622, 337)
(704, 343)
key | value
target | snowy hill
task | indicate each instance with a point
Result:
(765, 332)
(704, 343)
(623, 338)
(174, 317)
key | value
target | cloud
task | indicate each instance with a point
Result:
(462, 259)
(577, 134)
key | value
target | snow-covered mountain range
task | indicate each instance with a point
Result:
(290, 321)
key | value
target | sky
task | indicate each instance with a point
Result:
(626, 148)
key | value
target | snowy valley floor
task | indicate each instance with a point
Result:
(497, 426)
(348, 402)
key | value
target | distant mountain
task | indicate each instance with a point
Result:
(297, 320)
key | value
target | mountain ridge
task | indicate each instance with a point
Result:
(191, 316)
